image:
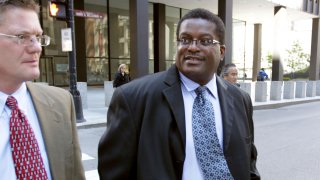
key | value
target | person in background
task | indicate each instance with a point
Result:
(121, 77)
(38, 134)
(183, 123)
(230, 73)
(262, 75)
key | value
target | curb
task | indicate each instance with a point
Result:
(282, 104)
(99, 119)
(87, 126)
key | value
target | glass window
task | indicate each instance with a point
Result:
(119, 34)
(96, 30)
(151, 39)
(184, 12)
(172, 18)
(239, 41)
(54, 63)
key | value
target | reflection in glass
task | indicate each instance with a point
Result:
(172, 18)
(96, 30)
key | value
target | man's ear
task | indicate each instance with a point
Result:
(222, 51)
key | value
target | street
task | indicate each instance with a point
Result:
(287, 139)
(89, 139)
(288, 142)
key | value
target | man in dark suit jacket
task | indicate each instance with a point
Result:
(148, 129)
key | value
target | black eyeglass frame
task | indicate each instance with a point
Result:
(202, 42)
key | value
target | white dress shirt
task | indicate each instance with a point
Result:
(7, 170)
(191, 167)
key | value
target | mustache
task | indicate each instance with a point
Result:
(194, 56)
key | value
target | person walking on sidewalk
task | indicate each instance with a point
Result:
(183, 123)
(121, 77)
(38, 135)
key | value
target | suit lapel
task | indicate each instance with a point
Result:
(174, 97)
(51, 127)
(227, 107)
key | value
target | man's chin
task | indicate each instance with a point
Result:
(198, 76)
(32, 76)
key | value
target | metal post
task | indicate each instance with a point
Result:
(72, 67)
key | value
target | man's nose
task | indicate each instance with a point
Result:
(35, 46)
(194, 45)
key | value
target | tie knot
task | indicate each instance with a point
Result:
(201, 96)
(201, 90)
(11, 102)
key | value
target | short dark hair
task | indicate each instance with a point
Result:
(225, 69)
(206, 15)
(23, 4)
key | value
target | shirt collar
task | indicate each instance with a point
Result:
(19, 95)
(191, 85)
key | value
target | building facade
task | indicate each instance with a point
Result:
(141, 34)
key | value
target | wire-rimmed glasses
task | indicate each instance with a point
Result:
(28, 40)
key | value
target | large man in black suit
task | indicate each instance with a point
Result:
(149, 134)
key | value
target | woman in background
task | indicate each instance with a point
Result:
(121, 77)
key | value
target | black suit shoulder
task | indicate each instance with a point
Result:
(236, 91)
(138, 93)
(145, 83)
(245, 99)
(141, 115)
(241, 96)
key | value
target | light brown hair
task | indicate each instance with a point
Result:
(6, 5)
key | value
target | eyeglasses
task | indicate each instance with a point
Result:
(202, 42)
(28, 40)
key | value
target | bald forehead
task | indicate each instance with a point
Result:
(232, 70)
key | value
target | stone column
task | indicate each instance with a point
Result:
(82, 88)
(318, 88)
(288, 89)
(108, 92)
(311, 88)
(246, 87)
(256, 51)
(280, 24)
(276, 90)
(159, 44)
(225, 9)
(300, 89)
(139, 49)
(261, 91)
(315, 50)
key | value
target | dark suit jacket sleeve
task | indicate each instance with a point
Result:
(117, 147)
(253, 170)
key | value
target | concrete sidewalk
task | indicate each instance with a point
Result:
(96, 113)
